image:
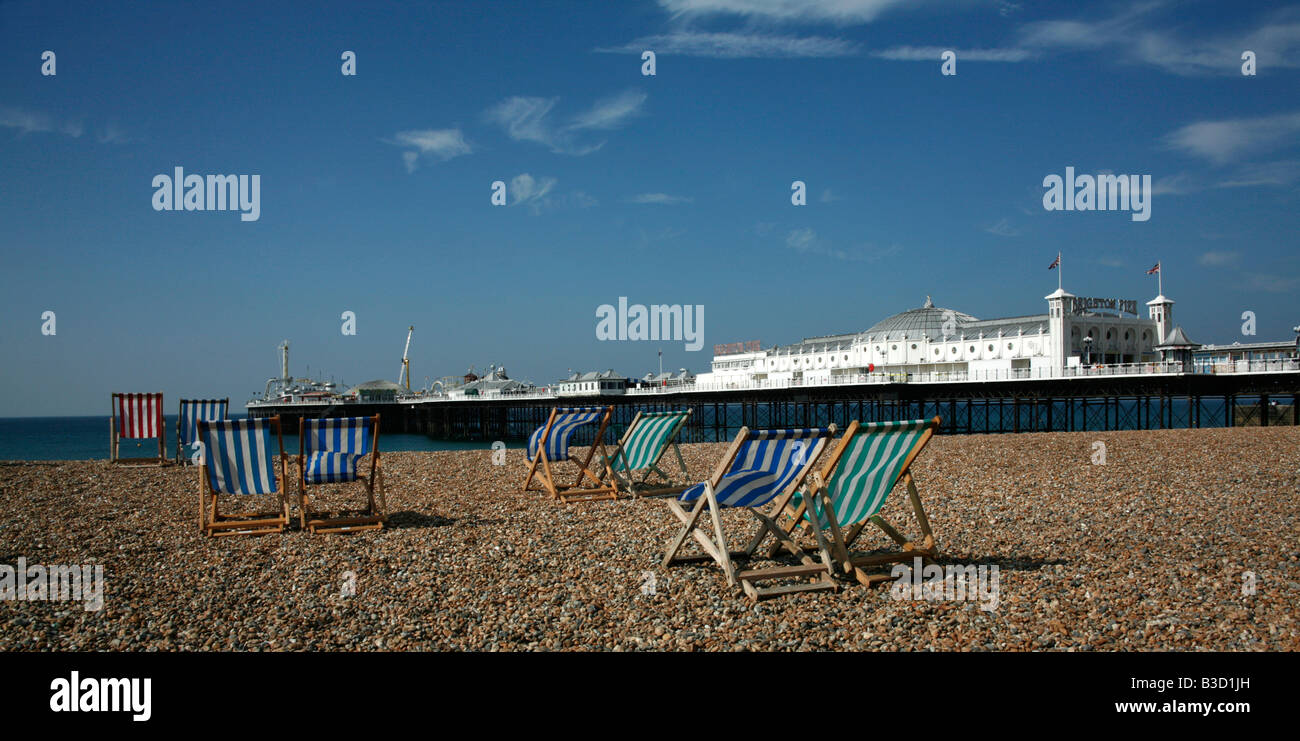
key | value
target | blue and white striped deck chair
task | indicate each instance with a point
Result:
(851, 488)
(187, 420)
(330, 451)
(237, 459)
(549, 445)
(760, 467)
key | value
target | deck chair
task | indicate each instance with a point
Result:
(137, 417)
(849, 491)
(187, 420)
(644, 443)
(237, 459)
(330, 452)
(549, 444)
(761, 466)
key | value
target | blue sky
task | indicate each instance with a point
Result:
(671, 189)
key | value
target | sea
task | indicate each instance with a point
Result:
(86, 438)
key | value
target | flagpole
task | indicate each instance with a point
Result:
(1059, 269)
(1160, 278)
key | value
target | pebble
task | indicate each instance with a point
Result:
(1148, 551)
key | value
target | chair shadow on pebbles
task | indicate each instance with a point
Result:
(1007, 563)
(408, 518)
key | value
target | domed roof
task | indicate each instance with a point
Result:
(927, 320)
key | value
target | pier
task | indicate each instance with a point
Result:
(1096, 401)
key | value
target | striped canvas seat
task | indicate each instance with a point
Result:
(333, 448)
(767, 463)
(869, 468)
(646, 439)
(760, 467)
(567, 422)
(330, 452)
(548, 452)
(331, 468)
(850, 491)
(137, 417)
(193, 410)
(238, 456)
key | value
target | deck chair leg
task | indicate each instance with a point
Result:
(921, 519)
(724, 555)
(688, 524)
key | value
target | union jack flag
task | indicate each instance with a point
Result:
(1055, 263)
(1154, 269)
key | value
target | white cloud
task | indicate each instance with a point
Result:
(528, 119)
(932, 54)
(1003, 229)
(745, 45)
(611, 112)
(1271, 283)
(441, 143)
(1134, 37)
(525, 188)
(1216, 259)
(829, 197)
(1280, 173)
(800, 11)
(33, 122)
(806, 241)
(1225, 141)
(111, 134)
(658, 198)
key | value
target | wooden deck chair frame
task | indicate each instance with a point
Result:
(626, 481)
(114, 438)
(213, 522)
(180, 421)
(716, 548)
(602, 488)
(372, 518)
(861, 566)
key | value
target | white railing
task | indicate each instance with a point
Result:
(1290, 365)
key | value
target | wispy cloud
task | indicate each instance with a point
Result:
(1218, 258)
(1003, 229)
(1225, 141)
(932, 54)
(111, 134)
(443, 144)
(739, 45)
(829, 196)
(528, 119)
(525, 188)
(800, 11)
(1280, 173)
(1136, 35)
(663, 199)
(610, 113)
(1271, 283)
(806, 241)
(33, 122)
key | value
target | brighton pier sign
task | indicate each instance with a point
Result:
(1121, 305)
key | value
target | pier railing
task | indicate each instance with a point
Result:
(1288, 365)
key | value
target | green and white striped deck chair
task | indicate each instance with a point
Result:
(644, 443)
(851, 488)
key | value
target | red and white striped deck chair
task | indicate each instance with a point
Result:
(137, 417)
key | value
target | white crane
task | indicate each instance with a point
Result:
(404, 376)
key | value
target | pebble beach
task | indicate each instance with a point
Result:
(1179, 540)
